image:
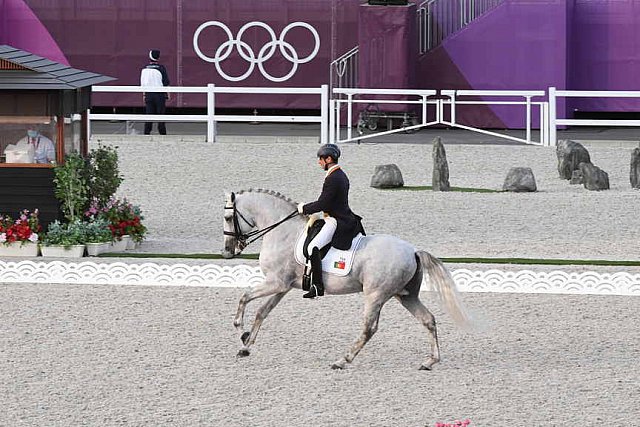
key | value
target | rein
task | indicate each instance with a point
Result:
(243, 238)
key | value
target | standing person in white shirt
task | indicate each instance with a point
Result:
(154, 75)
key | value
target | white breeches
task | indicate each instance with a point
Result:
(323, 238)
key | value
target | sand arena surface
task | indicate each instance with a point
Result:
(118, 355)
(112, 356)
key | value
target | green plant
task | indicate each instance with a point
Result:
(97, 231)
(103, 174)
(71, 186)
(73, 233)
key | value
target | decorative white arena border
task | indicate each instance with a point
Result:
(211, 275)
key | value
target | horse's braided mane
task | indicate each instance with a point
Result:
(271, 193)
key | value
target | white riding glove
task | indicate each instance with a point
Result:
(300, 206)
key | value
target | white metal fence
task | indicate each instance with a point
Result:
(211, 118)
(448, 102)
(554, 121)
(427, 103)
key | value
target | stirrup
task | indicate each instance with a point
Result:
(314, 292)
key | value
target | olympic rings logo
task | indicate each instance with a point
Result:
(264, 54)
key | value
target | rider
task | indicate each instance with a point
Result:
(341, 224)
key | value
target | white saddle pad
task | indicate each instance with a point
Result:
(336, 261)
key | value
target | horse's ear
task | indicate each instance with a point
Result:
(229, 197)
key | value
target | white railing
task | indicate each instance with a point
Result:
(438, 19)
(352, 96)
(211, 118)
(344, 71)
(554, 121)
(453, 101)
(450, 99)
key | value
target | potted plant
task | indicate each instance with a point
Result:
(64, 240)
(20, 237)
(71, 186)
(103, 175)
(97, 236)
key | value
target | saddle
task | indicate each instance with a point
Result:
(334, 261)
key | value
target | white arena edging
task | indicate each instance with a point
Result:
(211, 275)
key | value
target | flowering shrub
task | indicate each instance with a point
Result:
(24, 229)
(122, 216)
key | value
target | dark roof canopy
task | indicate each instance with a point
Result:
(23, 70)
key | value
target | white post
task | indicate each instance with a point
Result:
(349, 114)
(552, 117)
(332, 121)
(211, 113)
(324, 114)
(88, 125)
(544, 127)
(424, 109)
(453, 108)
(528, 98)
(338, 105)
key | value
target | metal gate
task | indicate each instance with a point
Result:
(441, 105)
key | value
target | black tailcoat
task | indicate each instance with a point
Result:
(334, 201)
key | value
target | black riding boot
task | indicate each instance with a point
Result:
(317, 286)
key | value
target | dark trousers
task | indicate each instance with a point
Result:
(154, 103)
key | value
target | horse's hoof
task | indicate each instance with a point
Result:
(243, 353)
(336, 367)
(424, 368)
(245, 337)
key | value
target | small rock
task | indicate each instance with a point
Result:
(520, 180)
(570, 154)
(594, 177)
(576, 177)
(387, 176)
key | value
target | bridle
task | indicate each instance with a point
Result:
(243, 238)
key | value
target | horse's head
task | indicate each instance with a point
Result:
(236, 226)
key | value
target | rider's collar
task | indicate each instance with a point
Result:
(331, 169)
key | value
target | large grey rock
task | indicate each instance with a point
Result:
(440, 176)
(387, 176)
(594, 177)
(520, 180)
(634, 175)
(570, 155)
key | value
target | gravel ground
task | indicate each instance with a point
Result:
(107, 356)
(181, 192)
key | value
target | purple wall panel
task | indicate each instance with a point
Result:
(114, 37)
(518, 45)
(606, 52)
(19, 27)
(387, 43)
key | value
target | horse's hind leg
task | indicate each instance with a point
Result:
(371, 317)
(249, 338)
(424, 316)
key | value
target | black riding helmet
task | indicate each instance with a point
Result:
(329, 150)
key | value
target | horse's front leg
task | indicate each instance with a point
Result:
(266, 288)
(249, 338)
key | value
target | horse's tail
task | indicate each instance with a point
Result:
(445, 287)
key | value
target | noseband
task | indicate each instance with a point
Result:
(243, 238)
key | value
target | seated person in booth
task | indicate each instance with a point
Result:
(44, 150)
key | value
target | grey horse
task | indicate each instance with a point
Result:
(384, 267)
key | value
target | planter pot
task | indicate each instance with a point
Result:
(74, 251)
(27, 249)
(118, 245)
(131, 244)
(95, 249)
